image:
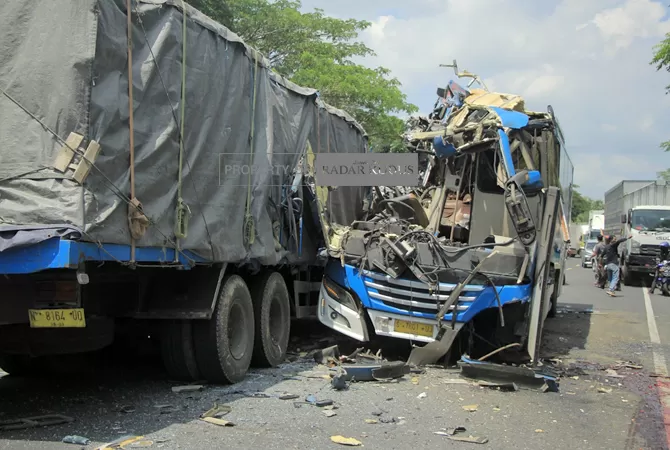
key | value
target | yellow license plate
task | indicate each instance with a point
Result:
(416, 328)
(57, 318)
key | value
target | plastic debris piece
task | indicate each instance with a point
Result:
(123, 442)
(310, 399)
(288, 396)
(339, 381)
(351, 442)
(188, 388)
(471, 439)
(217, 411)
(329, 413)
(539, 430)
(604, 390)
(78, 440)
(139, 444)
(422, 395)
(471, 408)
(217, 421)
(415, 380)
(371, 421)
(322, 403)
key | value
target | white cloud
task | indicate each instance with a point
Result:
(588, 59)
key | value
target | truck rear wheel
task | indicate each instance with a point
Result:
(224, 344)
(178, 352)
(626, 275)
(273, 319)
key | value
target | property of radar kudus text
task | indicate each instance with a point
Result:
(346, 169)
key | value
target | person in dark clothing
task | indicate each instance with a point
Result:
(601, 278)
(611, 261)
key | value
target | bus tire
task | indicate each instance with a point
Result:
(177, 350)
(224, 343)
(273, 319)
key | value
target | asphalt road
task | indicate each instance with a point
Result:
(113, 395)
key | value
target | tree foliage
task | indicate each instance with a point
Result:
(661, 60)
(315, 50)
(581, 205)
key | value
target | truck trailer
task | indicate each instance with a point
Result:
(474, 258)
(183, 205)
(640, 209)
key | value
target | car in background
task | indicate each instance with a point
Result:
(587, 254)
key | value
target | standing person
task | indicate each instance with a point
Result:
(611, 261)
(597, 262)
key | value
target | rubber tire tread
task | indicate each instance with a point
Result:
(210, 337)
(177, 350)
(262, 290)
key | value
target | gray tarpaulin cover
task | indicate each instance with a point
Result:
(64, 63)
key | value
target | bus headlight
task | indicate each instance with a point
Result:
(339, 294)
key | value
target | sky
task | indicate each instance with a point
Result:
(588, 59)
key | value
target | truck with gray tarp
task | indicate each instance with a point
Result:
(184, 204)
(640, 209)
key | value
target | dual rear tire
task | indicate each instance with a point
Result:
(247, 325)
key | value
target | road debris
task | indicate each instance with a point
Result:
(351, 442)
(188, 388)
(505, 387)
(288, 396)
(539, 430)
(604, 390)
(470, 408)
(454, 435)
(126, 409)
(329, 413)
(339, 381)
(214, 414)
(371, 421)
(524, 376)
(34, 422)
(329, 356)
(126, 442)
(77, 440)
(627, 365)
(422, 395)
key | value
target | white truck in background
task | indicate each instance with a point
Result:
(596, 224)
(577, 232)
(640, 209)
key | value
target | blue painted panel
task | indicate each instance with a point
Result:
(511, 119)
(350, 277)
(58, 253)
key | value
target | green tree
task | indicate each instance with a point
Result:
(315, 50)
(662, 61)
(581, 205)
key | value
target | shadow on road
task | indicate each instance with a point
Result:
(124, 390)
(568, 330)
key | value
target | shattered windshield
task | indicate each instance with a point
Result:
(651, 220)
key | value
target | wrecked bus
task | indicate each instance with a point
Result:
(477, 251)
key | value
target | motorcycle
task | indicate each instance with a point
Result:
(661, 277)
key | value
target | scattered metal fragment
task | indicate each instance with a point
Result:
(524, 376)
(322, 403)
(471, 439)
(539, 430)
(507, 387)
(188, 388)
(122, 442)
(388, 420)
(371, 421)
(217, 411)
(288, 396)
(328, 355)
(628, 365)
(604, 390)
(613, 373)
(34, 422)
(471, 408)
(450, 431)
(375, 372)
(77, 440)
(339, 382)
(351, 442)
(329, 413)
(422, 395)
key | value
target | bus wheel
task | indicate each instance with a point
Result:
(224, 344)
(273, 319)
(177, 350)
